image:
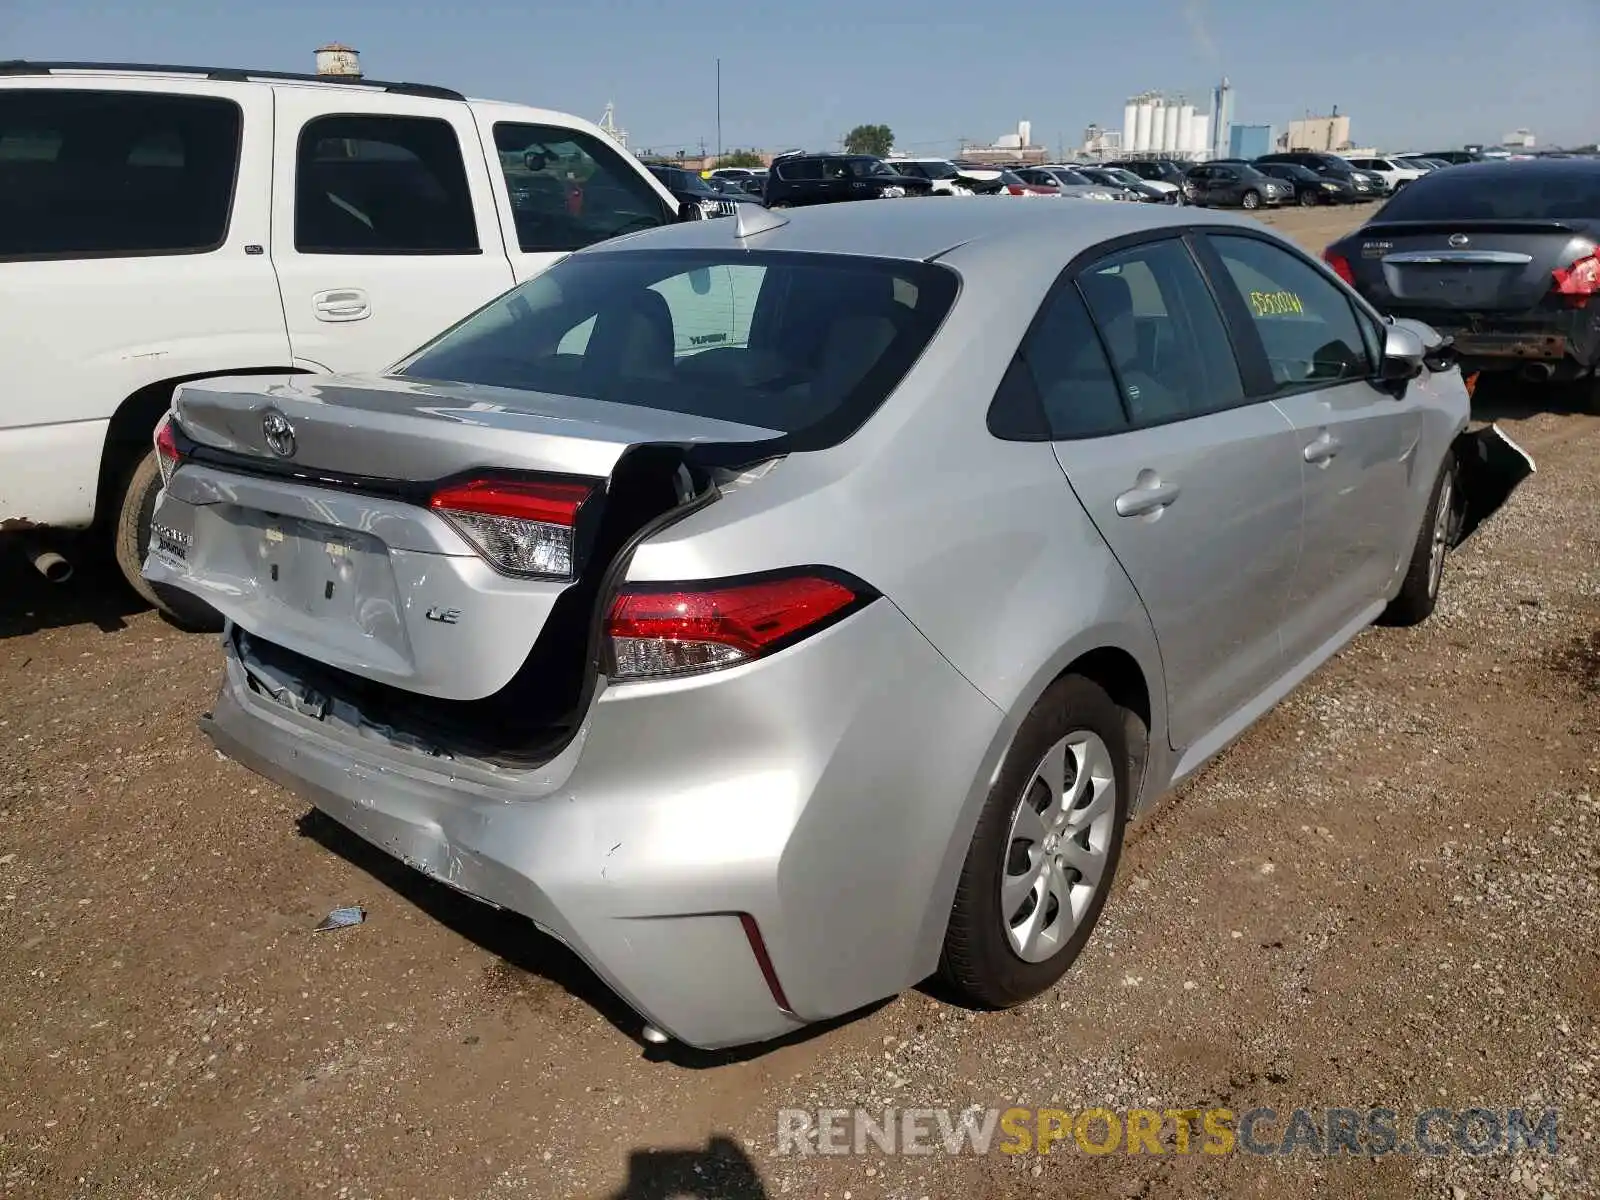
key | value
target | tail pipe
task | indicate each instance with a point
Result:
(1538, 372)
(49, 564)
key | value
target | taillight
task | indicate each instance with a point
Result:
(1579, 281)
(521, 526)
(168, 456)
(679, 629)
(1340, 265)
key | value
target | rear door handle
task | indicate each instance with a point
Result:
(1148, 497)
(341, 304)
(1322, 449)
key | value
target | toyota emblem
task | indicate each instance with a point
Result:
(279, 434)
(1459, 239)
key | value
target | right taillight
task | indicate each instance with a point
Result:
(1579, 281)
(1340, 265)
(521, 526)
(658, 630)
(168, 456)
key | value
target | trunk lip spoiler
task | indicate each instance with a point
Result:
(1504, 258)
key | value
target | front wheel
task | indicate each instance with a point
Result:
(1308, 199)
(1046, 847)
(135, 512)
(1251, 200)
(1419, 593)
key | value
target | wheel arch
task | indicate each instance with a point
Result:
(1123, 661)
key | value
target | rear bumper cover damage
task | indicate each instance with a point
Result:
(1490, 466)
(680, 806)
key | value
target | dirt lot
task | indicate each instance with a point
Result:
(1384, 895)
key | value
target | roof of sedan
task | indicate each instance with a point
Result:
(924, 229)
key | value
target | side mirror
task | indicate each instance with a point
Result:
(1403, 352)
(688, 210)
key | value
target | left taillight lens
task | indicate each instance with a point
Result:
(520, 526)
(1340, 265)
(663, 630)
(168, 456)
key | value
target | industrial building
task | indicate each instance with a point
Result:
(1324, 134)
(1156, 125)
(1008, 148)
(1249, 141)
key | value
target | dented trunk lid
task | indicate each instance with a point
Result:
(301, 514)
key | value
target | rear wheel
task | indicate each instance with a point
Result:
(1251, 199)
(1046, 847)
(136, 507)
(1308, 199)
(1419, 594)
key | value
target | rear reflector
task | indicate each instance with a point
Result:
(168, 456)
(1340, 265)
(521, 526)
(1580, 281)
(658, 630)
(758, 947)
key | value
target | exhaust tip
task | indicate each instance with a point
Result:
(52, 566)
(1538, 372)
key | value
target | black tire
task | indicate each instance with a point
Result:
(978, 961)
(1419, 593)
(1308, 199)
(1250, 200)
(136, 505)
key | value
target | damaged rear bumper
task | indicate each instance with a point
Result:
(799, 792)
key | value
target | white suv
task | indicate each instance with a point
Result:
(162, 224)
(1396, 172)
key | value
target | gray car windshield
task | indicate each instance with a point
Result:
(785, 341)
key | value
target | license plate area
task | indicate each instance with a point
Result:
(327, 573)
(1452, 284)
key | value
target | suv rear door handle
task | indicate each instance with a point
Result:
(1149, 496)
(341, 304)
(1321, 450)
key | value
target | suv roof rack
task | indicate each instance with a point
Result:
(788, 154)
(227, 75)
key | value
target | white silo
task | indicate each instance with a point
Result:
(1169, 135)
(338, 61)
(1199, 133)
(1130, 124)
(1141, 129)
(1025, 133)
(1185, 123)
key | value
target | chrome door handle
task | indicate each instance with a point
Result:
(341, 304)
(1321, 450)
(1146, 498)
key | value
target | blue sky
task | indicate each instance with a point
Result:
(1408, 72)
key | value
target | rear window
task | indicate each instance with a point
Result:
(114, 174)
(786, 341)
(1498, 195)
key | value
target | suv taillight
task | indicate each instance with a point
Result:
(521, 526)
(168, 456)
(1579, 281)
(659, 630)
(1340, 265)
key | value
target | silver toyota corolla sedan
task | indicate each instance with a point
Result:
(779, 610)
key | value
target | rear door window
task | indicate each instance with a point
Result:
(1061, 373)
(569, 190)
(785, 341)
(382, 185)
(1306, 324)
(1166, 340)
(115, 174)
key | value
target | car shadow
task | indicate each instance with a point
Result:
(95, 595)
(721, 1171)
(1501, 396)
(519, 944)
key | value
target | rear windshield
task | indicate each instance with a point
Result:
(785, 341)
(1498, 195)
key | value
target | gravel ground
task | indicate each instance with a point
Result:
(1385, 894)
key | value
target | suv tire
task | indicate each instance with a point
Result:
(136, 504)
